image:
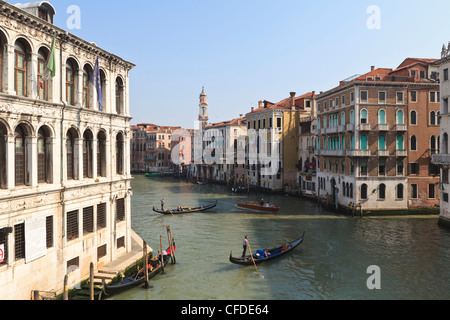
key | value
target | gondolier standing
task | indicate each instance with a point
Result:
(163, 201)
(245, 245)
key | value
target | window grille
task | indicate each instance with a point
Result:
(88, 220)
(72, 225)
(19, 241)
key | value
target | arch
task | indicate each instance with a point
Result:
(364, 115)
(432, 118)
(101, 153)
(4, 131)
(71, 150)
(71, 80)
(400, 143)
(45, 154)
(21, 151)
(87, 94)
(3, 58)
(364, 190)
(119, 90)
(399, 190)
(433, 144)
(413, 146)
(382, 116)
(382, 191)
(43, 85)
(88, 138)
(120, 153)
(400, 117)
(413, 117)
(22, 66)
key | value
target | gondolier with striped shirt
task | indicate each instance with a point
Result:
(245, 245)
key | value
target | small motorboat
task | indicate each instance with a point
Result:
(152, 175)
(253, 205)
(184, 210)
(263, 256)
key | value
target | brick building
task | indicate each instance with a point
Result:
(376, 135)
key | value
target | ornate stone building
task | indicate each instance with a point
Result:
(64, 175)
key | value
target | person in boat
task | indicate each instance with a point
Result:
(284, 248)
(245, 245)
(267, 253)
(262, 202)
(163, 202)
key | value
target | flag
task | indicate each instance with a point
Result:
(96, 82)
(50, 70)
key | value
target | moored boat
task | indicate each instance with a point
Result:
(261, 256)
(253, 205)
(137, 278)
(186, 209)
(151, 175)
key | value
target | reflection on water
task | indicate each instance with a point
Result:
(413, 253)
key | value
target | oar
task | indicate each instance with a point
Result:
(253, 259)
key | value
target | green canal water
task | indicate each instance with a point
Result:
(413, 253)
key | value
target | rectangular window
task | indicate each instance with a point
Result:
(352, 96)
(19, 241)
(445, 197)
(101, 252)
(431, 191)
(88, 220)
(4, 242)
(364, 96)
(381, 97)
(120, 209)
(73, 264)
(278, 122)
(422, 74)
(435, 96)
(413, 96)
(101, 216)
(413, 73)
(414, 191)
(445, 74)
(49, 231)
(121, 242)
(400, 97)
(72, 225)
(20, 73)
(414, 168)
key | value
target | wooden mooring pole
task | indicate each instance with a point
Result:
(145, 264)
(66, 288)
(91, 281)
(162, 255)
(172, 251)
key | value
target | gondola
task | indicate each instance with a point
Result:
(253, 205)
(184, 210)
(275, 253)
(138, 278)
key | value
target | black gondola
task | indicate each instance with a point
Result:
(138, 278)
(273, 254)
(183, 210)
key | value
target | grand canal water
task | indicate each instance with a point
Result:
(412, 253)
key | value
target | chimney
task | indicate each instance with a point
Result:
(313, 94)
(293, 101)
(372, 68)
(260, 103)
(253, 109)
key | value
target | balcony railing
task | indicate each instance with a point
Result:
(401, 127)
(383, 127)
(358, 153)
(401, 153)
(383, 153)
(332, 153)
(350, 127)
(364, 127)
(441, 159)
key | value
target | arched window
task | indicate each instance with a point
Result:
(352, 117)
(363, 142)
(399, 191)
(103, 88)
(433, 145)
(400, 145)
(382, 117)
(382, 143)
(20, 68)
(4, 167)
(343, 119)
(44, 156)
(70, 152)
(351, 190)
(20, 137)
(119, 96)
(400, 117)
(87, 94)
(413, 119)
(432, 118)
(325, 122)
(445, 143)
(364, 189)
(363, 116)
(70, 82)
(413, 143)
(382, 191)
(42, 84)
(119, 153)
(101, 154)
(87, 154)
(2, 48)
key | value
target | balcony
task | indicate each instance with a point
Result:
(401, 127)
(364, 127)
(350, 127)
(332, 130)
(332, 153)
(383, 127)
(401, 153)
(383, 153)
(443, 159)
(341, 128)
(358, 153)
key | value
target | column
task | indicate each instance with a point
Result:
(9, 70)
(10, 158)
(32, 162)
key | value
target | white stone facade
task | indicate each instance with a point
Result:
(63, 161)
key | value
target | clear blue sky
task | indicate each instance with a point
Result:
(243, 51)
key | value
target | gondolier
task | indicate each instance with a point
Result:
(163, 202)
(245, 245)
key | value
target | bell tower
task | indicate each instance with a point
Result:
(203, 110)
